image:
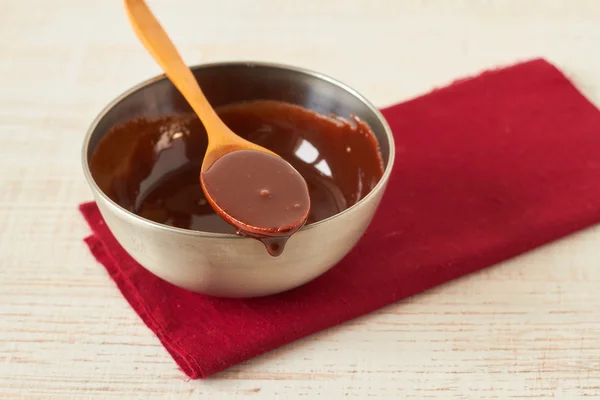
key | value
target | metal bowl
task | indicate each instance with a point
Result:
(228, 265)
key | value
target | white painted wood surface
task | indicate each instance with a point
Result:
(529, 328)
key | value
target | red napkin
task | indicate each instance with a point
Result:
(487, 168)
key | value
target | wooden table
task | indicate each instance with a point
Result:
(529, 328)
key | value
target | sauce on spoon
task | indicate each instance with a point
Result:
(257, 192)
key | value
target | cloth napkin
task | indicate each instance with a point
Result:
(486, 169)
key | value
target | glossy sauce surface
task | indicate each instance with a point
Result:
(152, 167)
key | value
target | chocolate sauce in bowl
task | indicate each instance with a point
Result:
(151, 167)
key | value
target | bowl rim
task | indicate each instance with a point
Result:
(161, 227)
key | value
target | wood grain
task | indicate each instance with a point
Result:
(529, 328)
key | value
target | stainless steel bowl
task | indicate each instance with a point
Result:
(228, 265)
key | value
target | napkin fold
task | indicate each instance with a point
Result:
(486, 169)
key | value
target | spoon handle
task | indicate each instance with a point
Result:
(157, 42)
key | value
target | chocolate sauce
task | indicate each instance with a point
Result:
(152, 167)
(260, 194)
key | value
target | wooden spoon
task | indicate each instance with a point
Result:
(249, 186)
